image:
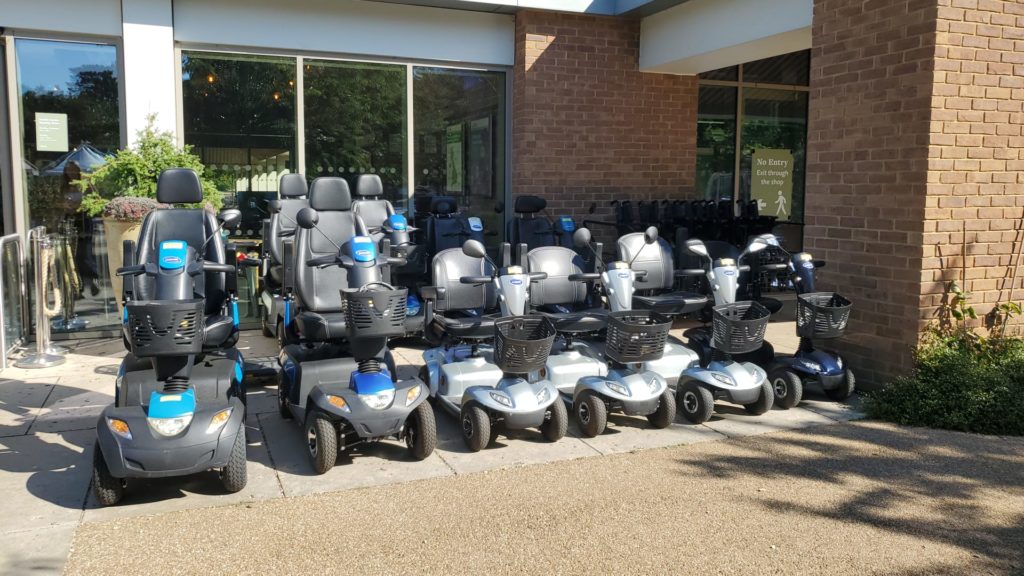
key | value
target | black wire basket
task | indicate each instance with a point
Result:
(165, 327)
(378, 312)
(821, 315)
(636, 336)
(522, 343)
(739, 328)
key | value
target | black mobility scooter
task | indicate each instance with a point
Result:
(339, 382)
(179, 401)
(279, 263)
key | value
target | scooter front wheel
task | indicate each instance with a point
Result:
(234, 475)
(787, 386)
(557, 423)
(421, 432)
(476, 427)
(764, 401)
(591, 413)
(696, 402)
(321, 442)
(666, 412)
(108, 490)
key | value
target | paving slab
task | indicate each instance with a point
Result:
(72, 408)
(20, 402)
(44, 478)
(371, 464)
(733, 421)
(627, 434)
(851, 409)
(40, 551)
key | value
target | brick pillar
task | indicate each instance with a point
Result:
(587, 126)
(914, 137)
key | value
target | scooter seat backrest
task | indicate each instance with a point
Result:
(528, 227)
(449, 266)
(655, 259)
(370, 206)
(293, 190)
(191, 225)
(319, 289)
(559, 263)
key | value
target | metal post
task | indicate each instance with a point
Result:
(45, 270)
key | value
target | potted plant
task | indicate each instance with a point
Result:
(123, 190)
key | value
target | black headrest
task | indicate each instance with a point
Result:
(179, 186)
(369, 185)
(293, 186)
(530, 204)
(330, 193)
(443, 205)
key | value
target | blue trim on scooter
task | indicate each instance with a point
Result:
(398, 222)
(173, 254)
(371, 382)
(363, 249)
(162, 405)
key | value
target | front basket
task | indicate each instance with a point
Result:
(636, 336)
(739, 328)
(374, 313)
(165, 327)
(821, 315)
(522, 343)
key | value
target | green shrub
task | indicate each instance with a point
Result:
(961, 382)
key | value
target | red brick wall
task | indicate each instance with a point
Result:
(587, 126)
(868, 169)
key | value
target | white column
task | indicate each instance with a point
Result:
(150, 69)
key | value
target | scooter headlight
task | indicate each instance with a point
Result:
(502, 399)
(722, 378)
(170, 426)
(413, 394)
(813, 366)
(219, 420)
(653, 385)
(119, 427)
(379, 400)
(618, 388)
(543, 396)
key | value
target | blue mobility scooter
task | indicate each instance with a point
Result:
(339, 382)
(179, 399)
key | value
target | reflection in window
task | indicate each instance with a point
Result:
(793, 68)
(460, 138)
(716, 142)
(356, 123)
(239, 115)
(70, 123)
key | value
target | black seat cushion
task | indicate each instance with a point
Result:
(217, 331)
(579, 321)
(671, 303)
(771, 304)
(321, 326)
(465, 326)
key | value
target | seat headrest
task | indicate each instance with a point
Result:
(179, 186)
(330, 193)
(293, 186)
(443, 205)
(369, 185)
(530, 204)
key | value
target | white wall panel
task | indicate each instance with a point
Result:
(101, 17)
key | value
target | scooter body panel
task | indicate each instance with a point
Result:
(631, 392)
(816, 365)
(738, 382)
(525, 403)
(369, 423)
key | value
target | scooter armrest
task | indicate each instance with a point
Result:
(432, 292)
(286, 234)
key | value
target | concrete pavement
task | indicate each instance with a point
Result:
(47, 420)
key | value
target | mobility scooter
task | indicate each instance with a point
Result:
(347, 308)
(737, 328)
(179, 398)
(277, 297)
(496, 386)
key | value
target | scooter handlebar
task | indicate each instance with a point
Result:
(131, 270)
(218, 267)
(322, 261)
(474, 279)
(744, 268)
(534, 276)
(692, 272)
(397, 261)
(585, 277)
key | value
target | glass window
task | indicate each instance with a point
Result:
(70, 122)
(793, 68)
(716, 142)
(460, 139)
(774, 131)
(356, 123)
(729, 73)
(239, 116)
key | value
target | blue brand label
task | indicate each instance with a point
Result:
(623, 274)
(397, 222)
(363, 249)
(475, 224)
(172, 254)
(568, 224)
(515, 281)
(729, 272)
(171, 405)
(808, 265)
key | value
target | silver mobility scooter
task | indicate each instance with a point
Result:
(179, 398)
(737, 328)
(496, 386)
(338, 382)
(597, 377)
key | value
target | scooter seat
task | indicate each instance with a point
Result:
(580, 321)
(277, 274)
(321, 326)
(771, 304)
(467, 327)
(671, 303)
(218, 331)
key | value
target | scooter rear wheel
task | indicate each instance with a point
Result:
(476, 427)
(845, 390)
(696, 402)
(421, 432)
(557, 423)
(282, 398)
(265, 324)
(234, 475)
(666, 412)
(321, 442)
(108, 490)
(787, 386)
(764, 401)
(591, 413)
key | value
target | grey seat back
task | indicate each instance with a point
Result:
(559, 263)
(448, 267)
(319, 289)
(370, 205)
(190, 225)
(293, 191)
(655, 259)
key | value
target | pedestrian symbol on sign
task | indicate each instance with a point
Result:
(781, 203)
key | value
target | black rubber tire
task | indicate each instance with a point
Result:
(496, 430)
(108, 490)
(787, 387)
(591, 413)
(282, 401)
(696, 402)
(265, 325)
(321, 442)
(282, 335)
(476, 427)
(843, 392)
(234, 475)
(764, 400)
(556, 422)
(666, 412)
(421, 432)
